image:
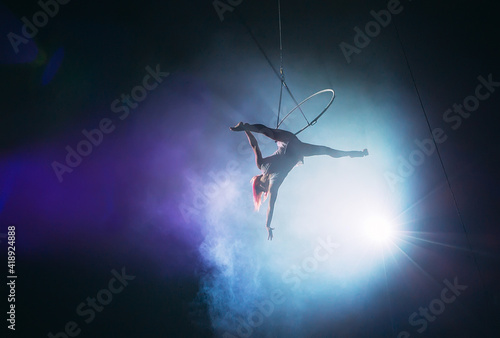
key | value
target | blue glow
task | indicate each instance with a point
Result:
(53, 66)
(320, 254)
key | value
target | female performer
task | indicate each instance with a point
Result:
(291, 151)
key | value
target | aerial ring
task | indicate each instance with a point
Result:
(313, 122)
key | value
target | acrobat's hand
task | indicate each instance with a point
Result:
(270, 231)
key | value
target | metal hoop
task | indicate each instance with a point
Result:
(313, 122)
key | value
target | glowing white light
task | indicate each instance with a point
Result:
(379, 230)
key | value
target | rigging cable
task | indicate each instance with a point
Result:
(440, 158)
(272, 66)
(282, 75)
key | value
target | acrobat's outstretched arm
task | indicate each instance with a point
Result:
(273, 194)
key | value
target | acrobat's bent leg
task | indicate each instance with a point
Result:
(255, 147)
(314, 150)
(275, 134)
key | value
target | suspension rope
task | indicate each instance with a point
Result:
(272, 67)
(282, 75)
(279, 105)
(440, 158)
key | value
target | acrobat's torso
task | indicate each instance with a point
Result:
(284, 159)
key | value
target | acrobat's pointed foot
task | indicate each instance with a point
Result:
(238, 127)
(358, 153)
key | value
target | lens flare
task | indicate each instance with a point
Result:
(379, 229)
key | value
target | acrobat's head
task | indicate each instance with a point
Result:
(260, 185)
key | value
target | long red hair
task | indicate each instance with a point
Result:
(257, 192)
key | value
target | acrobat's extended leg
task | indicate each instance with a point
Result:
(314, 150)
(275, 134)
(255, 147)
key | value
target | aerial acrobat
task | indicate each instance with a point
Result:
(291, 150)
(276, 167)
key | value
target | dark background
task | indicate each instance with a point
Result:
(120, 207)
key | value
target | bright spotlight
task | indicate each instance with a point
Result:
(379, 230)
